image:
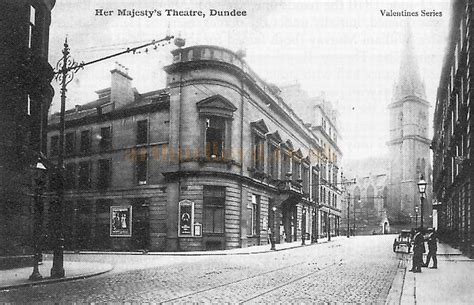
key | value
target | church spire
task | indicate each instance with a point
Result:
(409, 81)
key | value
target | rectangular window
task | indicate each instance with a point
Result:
(104, 176)
(84, 175)
(255, 220)
(142, 132)
(305, 177)
(215, 137)
(28, 110)
(273, 161)
(69, 143)
(141, 165)
(105, 138)
(296, 170)
(315, 186)
(285, 165)
(85, 141)
(70, 176)
(214, 207)
(329, 177)
(258, 153)
(54, 146)
(31, 26)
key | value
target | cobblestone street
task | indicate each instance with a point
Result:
(359, 269)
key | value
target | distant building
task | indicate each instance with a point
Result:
(321, 117)
(409, 146)
(453, 135)
(25, 97)
(368, 202)
(216, 160)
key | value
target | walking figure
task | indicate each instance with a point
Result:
(418, 250)
(432, 248)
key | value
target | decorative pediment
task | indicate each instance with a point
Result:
(216, 105)
(260, 126)
(288, 145)
(298, 154)
(275, 137)
(306, 160)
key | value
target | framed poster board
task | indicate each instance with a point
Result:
(186, 218)
(121, 221)
(197, 229)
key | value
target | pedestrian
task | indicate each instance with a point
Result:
(432, 248)
(418, 250)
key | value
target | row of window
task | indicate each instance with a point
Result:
(328, 197)
(85, 142)
(80, 175)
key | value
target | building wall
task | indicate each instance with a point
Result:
(25, 96)
(368, 202)
(453, 138)
(198, 88)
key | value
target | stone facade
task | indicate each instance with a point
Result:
(368, 202)
(215, 160)
(25, 97)
(453, 137)
(321, 117)
(409, 146)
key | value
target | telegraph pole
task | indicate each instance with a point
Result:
(348, 216)
(65, 70)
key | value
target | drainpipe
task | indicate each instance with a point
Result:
(241, 157)
(179, 151)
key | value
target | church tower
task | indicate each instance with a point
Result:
(409, 144)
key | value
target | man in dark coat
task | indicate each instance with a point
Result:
(432, 248)
(418, 250)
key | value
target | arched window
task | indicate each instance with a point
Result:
(370, 197)
(423, 168)
(356, 195)
(418, 169)
(385, 197)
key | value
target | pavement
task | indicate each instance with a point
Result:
(19, 277)
(450, 283)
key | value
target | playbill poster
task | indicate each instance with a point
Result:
(282, 151)
(121, 221)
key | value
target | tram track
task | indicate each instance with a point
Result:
(314, 269)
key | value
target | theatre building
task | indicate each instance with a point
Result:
(215, 160)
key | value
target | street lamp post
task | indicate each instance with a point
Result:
(329, 224)
(359, 202)
(272, 230)
(315, 230)
(38, 183)
(65, 70)
(416, 217)
(422, 189)
(348, 217)
(303, 227)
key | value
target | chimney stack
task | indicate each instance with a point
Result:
(121, 92)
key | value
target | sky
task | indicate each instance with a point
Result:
(347, 49)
